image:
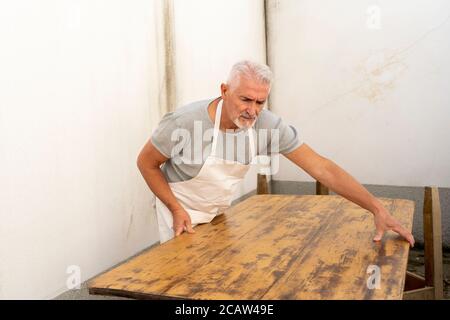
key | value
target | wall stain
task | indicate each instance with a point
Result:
(379, 73)
(129, 225)
(169, 55)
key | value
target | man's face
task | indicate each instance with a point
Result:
(245, 101)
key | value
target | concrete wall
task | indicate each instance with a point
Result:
(366, 83)
(78, 84)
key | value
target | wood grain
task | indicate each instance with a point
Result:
(433, 241)
(272, 247)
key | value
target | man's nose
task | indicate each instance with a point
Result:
(252, 110)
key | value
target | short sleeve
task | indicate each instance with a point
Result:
(289, 138)
(284, 138)
(164, 138)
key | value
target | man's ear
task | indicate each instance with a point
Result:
(224, 89)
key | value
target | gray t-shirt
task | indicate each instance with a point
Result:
(185, 137)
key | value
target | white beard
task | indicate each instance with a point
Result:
(241, 125)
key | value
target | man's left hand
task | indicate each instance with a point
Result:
(384, 221)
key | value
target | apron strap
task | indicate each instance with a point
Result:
(216, 128)
(251, 142)
(216, 133)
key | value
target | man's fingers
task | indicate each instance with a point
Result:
(411, 240)
(186, 226)
(378, 236)
(405, 234)
(178, 230)
(189, 227)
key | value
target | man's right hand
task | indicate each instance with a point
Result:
(181, 222)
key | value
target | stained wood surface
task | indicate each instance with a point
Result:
(272, 247)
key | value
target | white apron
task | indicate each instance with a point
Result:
(210, 192)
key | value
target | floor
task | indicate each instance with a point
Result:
(416, 265)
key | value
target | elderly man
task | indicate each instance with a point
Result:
(194, 192)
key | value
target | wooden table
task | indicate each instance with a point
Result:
(272, 247)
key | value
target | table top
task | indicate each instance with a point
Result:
(273, 247)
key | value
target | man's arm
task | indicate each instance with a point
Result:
(331, 175)
(149, 163)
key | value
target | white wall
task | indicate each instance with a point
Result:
(210, 36)
(77, 84)
(83, 85)
(376, 101)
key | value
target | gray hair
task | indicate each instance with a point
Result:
(252, 70)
